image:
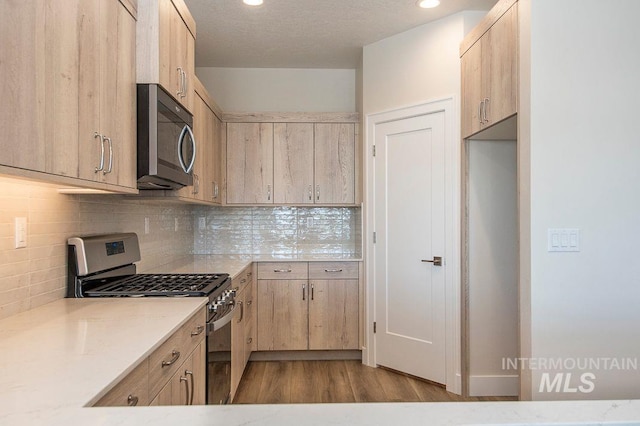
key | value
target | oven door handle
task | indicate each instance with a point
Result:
(218, 324)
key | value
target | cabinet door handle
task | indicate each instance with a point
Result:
(174, 357)
(304, 287)
(198, 331)
(181, 82)
(249, 340)
(110, 167)
(185, 84)
(486, 104)
(480, 110)
(186, 388)
(242, 281)
(132, 401)
(317, 192)
(268, 192)
(249, 302)
(241, 312)
(190, 375)
(333, 270)
(311, 291)
(101, 167)
(310, 192)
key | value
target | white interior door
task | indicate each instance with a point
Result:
(410, 229)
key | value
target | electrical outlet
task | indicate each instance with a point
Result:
(146, 225)
(310, 222)
(202, 223)
(175, 225)
(21, 232)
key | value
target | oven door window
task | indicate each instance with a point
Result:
(219, 365)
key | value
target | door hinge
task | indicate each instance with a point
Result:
(374, 238)
(374, 150)
(374, 326)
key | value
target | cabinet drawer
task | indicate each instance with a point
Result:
(243, 278)
(175, 351)
(333, 270)
(132, 390)
(283, 271)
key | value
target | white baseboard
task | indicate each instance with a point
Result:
(506, 385)
(305, 355)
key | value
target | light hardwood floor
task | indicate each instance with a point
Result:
(286, 382)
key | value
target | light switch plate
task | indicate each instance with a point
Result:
(21, 232)
(563, 239)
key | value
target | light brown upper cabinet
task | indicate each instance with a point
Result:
(166, 34)
(334, 163)
(107, 93)
(293, 163)
(70, 82)
(249, 163)
(490, 72)
(309, 163)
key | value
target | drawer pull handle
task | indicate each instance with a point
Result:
(249, 340)
(333, 270)
(198, 331)
(174, 357)
(132, 401)
(249, 302)
(242, 281)
(282, 270)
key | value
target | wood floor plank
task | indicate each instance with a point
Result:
(364, 382)
(285, 382)
(306, 383)
(338, 387)
(276, 384)
(249, 388)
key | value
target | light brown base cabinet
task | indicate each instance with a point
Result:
(174, 374)
(311, 306)
(242, 327)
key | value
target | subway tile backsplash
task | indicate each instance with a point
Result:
(278, 231)
(35, 275)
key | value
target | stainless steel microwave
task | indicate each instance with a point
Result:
(166, 145)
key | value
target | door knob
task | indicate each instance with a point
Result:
(437, 261)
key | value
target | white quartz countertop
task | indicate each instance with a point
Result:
(57, 359)
(233, 264)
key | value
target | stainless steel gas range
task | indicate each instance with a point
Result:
(104, 266)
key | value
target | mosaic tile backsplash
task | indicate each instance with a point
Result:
(278, 231)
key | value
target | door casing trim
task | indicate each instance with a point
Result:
(449, 106)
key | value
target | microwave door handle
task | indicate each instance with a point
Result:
(193, 144)
(180, 143)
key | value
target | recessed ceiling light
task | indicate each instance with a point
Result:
(252, 2)
(428, 4)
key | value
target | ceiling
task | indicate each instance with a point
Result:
(305, 33)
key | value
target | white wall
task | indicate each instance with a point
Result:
(280, 90)
(585, 173)
(412, 68)
(492, 242)
(416, 66)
